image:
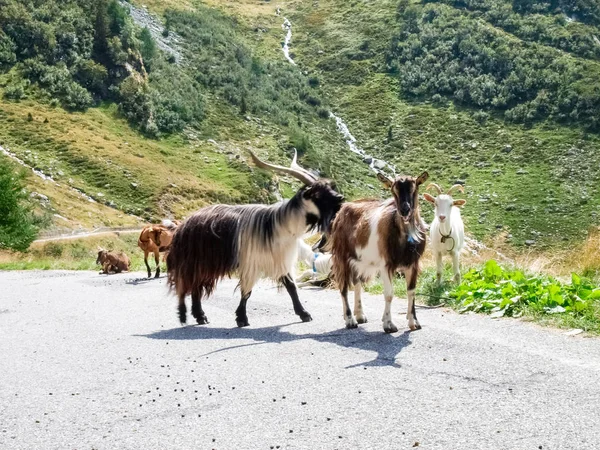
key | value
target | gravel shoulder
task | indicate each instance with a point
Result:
(90, 361)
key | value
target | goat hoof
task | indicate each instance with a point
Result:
(305, 317)
(242, 323)
(351, 323)
(202, 320)
(361, 318)
(391, 328)
(414, 326)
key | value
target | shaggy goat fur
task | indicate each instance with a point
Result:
(254, 240)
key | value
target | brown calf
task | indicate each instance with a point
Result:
(373, 236)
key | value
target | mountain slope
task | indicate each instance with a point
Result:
(533, 182)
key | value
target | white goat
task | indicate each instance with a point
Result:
(319, 263)
(447, 231)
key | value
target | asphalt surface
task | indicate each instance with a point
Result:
(90, 361)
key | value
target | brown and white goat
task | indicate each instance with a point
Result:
(112, 261)
(254, 240)
(156, 239)
(373, 236)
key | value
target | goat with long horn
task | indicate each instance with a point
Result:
(253, 240)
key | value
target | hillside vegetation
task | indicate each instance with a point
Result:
(503, 96)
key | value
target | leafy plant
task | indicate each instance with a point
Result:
(510, 292)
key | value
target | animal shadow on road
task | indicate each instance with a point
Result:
(138, 281)
(386, 346)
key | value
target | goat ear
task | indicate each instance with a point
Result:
(422, 178)
(429, 198)
(387, 182)
(460, 202)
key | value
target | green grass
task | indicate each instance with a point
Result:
(77, 254)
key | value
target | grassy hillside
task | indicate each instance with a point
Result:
(535, 181)
(398, 72)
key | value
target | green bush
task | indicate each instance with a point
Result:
(18, 225)
(15, 91)
(441, 51)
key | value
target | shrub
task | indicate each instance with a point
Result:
(18, 225)
(15, 91)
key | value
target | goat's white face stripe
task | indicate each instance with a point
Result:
(311, 208)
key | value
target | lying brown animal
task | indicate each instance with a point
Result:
(112, 261)
(157, 239)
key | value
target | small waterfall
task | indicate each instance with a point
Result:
(287, 25)
(375, 164)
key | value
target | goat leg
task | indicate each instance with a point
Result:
(182, 309)
(456, 265)
(358, 309)
(348, 316)
(197, 311)
(241, 317)
(290, 286)
(147, 265)
(411, 275)
(157, 260)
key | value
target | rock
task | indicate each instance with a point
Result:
(134, 185)
(99, 194)
(507, 148)
(456, 157)
(368, 159)
(522, 172)
(529, 242)
(379, 164)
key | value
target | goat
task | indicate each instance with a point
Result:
(111, 261)
(372, 236)
(447, 231)
(319, 263)
(156, 239)
(254, 240)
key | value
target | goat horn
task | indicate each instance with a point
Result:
(296, 173)
(435, 186)
(297, 166)
(456, 187)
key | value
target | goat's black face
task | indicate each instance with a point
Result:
(406, 194)
(326, 200)
(101, 256)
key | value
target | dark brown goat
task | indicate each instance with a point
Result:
(373, 236)
(112, 261)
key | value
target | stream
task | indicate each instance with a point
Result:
(374, 164)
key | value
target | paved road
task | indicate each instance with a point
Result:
(89, 361)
